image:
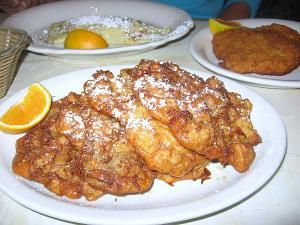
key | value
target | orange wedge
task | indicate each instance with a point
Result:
(84, 39)
(218, 25)
(28, 112)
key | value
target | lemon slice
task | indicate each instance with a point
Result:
(28, 112)
(218, 25)
(84, 39)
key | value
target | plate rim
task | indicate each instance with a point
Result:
(256, 81)
(239, 197)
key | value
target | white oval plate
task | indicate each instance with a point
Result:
(37, 19)
(202, 51)
(163, 203)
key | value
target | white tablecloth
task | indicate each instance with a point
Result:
(276, 203)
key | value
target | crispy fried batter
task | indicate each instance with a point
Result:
(78, 152)
(202, 115)
(199, 172)
(154, 120)
(282, 30)
(269, 50)
(45, 156)
(153, 140)
(160, 149)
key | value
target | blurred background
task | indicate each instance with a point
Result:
(280, 9)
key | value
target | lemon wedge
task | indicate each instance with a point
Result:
(84, 39)
(218, 25)
(28, 112)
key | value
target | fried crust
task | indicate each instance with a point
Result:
(153, 120)
(78, 152)
(202, 115)
(266, 50)
(154, 142)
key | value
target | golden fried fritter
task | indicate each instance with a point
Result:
(202, 115)
(107, 160)
(45, 156)
(120, 172)
(169, 94)
(153, 120)
(113, 95)
(282, 30)
(199, 172)
(161, 151)
(90, 149)
(266, 50)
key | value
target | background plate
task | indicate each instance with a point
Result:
(37, 19)
(201, 49)
(163, 203)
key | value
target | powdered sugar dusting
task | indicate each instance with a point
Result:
(108, 21)
(75, 124)
(116, 113)
(134, 123)
(134, 29)
(74, 120)
(161, 88)
(152, 103)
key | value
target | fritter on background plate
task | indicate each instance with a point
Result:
(268, 50)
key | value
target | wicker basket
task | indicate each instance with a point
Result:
(12, 43)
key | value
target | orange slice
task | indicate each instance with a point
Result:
(84, 39)
(218, 25)
(28, 112)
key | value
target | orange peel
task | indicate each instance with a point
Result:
(84, 39)
(219, 25)
(28, 112)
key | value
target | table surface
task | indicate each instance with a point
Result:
(276, 203)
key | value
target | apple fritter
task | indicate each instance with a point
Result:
(83, 153)
(161, 151)
(202, 115)
(45, 156)
(113, 95)
(155, 120)
(199, 172)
